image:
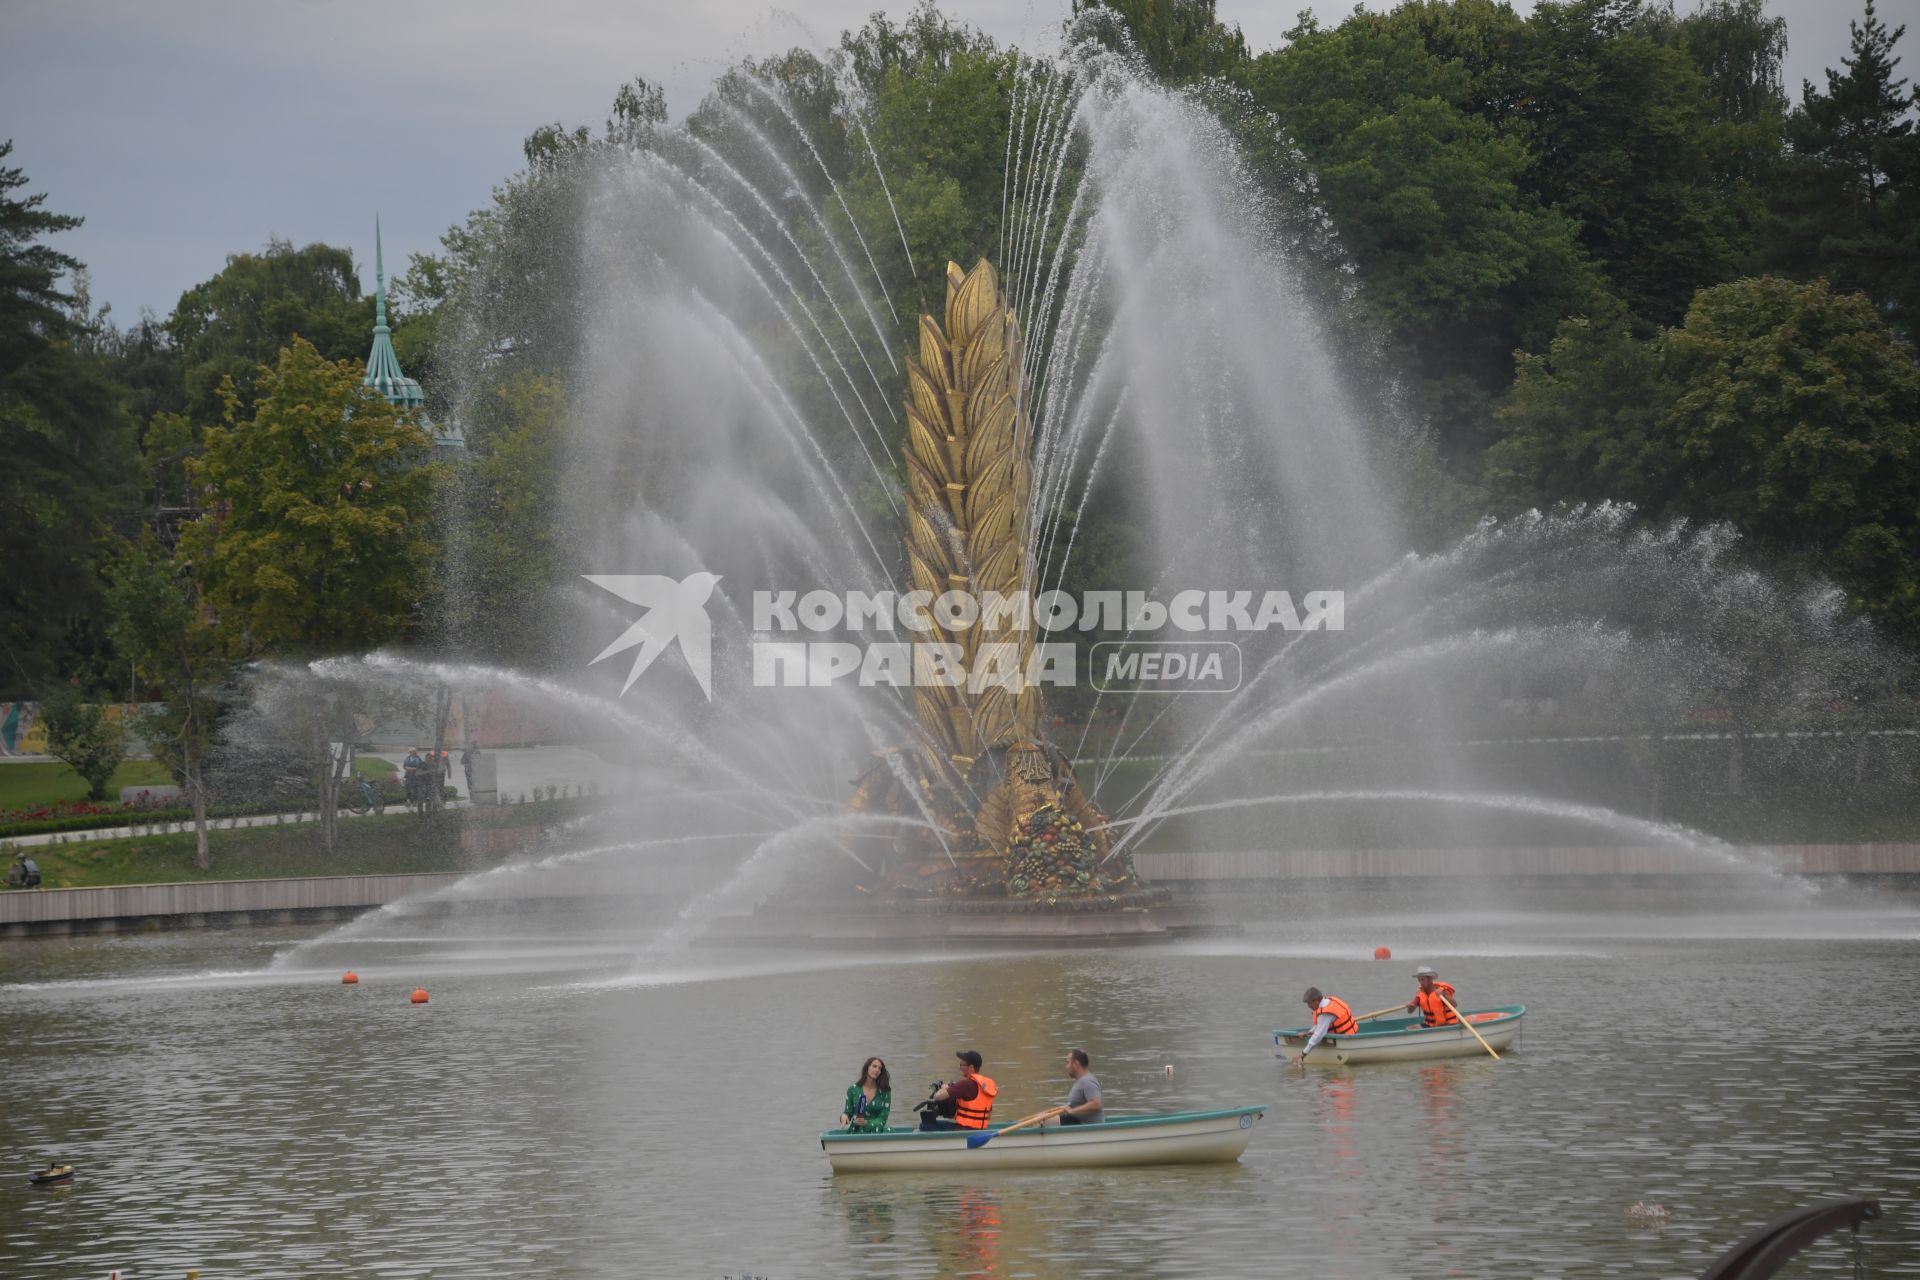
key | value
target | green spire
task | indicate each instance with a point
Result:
(379, 280)
(383, 366)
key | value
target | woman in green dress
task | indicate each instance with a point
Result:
(869, 1099)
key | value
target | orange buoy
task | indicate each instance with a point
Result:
(419, 995)
(1382, 953)
(349, 978)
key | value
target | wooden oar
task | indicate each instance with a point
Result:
(1468, 1025)
(977, 1140)
(1392, 1008)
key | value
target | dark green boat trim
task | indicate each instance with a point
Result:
(1410, 1026)
(1120, 1122)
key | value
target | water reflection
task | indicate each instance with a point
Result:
(528, 1121)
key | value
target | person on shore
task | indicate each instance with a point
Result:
(869, 1099)
(467, 756)
(966, 1103)
(1084, 1104)
(1331, 1016)
(414, 769)
(1427, 1001)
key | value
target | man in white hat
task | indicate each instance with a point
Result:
(1428, 1002)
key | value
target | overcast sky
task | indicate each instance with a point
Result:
(187, 130)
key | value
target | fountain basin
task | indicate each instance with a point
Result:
(1142, 915)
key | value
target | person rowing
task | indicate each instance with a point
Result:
(1331, 1016)
(1431, 1000)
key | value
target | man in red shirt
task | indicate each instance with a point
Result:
(965, 1103)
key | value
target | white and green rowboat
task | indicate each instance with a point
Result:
(1405, 1040)
(1182, 1137)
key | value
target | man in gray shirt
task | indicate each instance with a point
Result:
(1083, 1099)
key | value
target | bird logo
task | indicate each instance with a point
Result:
(676, 609)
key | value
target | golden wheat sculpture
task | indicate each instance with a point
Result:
(969, 479)
(1010, 815)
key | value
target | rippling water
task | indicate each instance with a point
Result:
(570, 1105)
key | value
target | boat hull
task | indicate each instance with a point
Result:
(1404, 1040)
(1194, 1137)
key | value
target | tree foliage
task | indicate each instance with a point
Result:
(66, 447)
(1848, 204)
(1789, 410)
(1180, 40)
(1458, 263)
(80, 735)
(498, 602)
(163, 628)
(229, 327)
(318, 539)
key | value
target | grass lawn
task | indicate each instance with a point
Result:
(368, 846)
(31, 782)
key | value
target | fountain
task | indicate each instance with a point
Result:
(1143, 366)
(1013, 820)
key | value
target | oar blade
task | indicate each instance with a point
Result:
(977, 1140)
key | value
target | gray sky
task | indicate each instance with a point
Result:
(192, 129)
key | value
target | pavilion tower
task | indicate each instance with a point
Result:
(383, 364)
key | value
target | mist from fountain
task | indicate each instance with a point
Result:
(732, 412)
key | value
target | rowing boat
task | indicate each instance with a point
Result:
(1405, 1040)
(1183, 1137)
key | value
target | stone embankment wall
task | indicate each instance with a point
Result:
(192, 904)
(196, 904)
(1901, 859)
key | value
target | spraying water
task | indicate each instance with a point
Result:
(734, 412)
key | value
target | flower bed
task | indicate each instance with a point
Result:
(89, 815)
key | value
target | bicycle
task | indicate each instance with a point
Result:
(364, 797)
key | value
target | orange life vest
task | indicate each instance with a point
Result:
(1432, 1012)
(973, 1113)
(1343, 1021)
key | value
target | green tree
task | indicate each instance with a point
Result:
(160, 624)
(1180, 40)
(79, 734)
(1739, 49)
(1615, 116)
(318, 537)
(507, 561)
(1848, 198)
(231, 326)
(67, 446)
(1458, 264)
(321, 532)
(937, 97)
(1789, 410)
(515, 271)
